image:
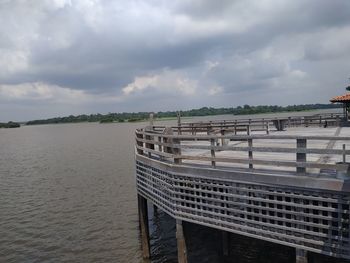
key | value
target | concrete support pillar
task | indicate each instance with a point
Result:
(225, 243)
(143, 217)
(181, 242)
(301, 256)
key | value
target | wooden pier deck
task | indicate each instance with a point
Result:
(284, 181)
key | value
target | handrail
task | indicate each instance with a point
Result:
(254, 124)
(217, 149)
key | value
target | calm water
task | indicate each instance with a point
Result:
(67, 194)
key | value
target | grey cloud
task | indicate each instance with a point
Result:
(258, 45)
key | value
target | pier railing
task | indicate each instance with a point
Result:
(299, 154)
(257, 124)
(266, 186)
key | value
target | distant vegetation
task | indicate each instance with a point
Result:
(205, 111)
(10, 124)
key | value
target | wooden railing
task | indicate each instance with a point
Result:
(248, 126)
(298, 154)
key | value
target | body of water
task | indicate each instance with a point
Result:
(67, 194)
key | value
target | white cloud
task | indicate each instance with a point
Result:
(167, 82)
(41, 91)
(38, 91)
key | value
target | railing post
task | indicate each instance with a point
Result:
(250, 152)
(344, 153)
(138, 143)
(263, 123)
(149, 138)
(248, 130)
(338, 120)
(268, 127)
(223, 141)
(177, 152)
(235, 127)
(179, 122)
(168, 131)
(301, 156)
(289, 122)
(160, 148)
(151, 120)
(320, 121)
(212, 152)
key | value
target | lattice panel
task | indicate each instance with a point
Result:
(315, 221)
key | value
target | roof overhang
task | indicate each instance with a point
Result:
(341, 99)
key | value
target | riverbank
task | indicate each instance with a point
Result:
(10, 124)
(170, 115)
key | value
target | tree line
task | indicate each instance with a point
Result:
(204, 111)
(10, 124)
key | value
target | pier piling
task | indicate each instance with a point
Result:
(143, 217)
(181, 242)
(301, 256)
(225, 243)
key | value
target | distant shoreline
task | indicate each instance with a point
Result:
(171, 115)
(9, 125)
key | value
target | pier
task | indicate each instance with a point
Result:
(282, 180)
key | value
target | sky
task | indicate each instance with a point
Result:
(62, 57)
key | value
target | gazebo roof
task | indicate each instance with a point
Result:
(343, 98)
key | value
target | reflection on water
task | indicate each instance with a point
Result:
(205, 245)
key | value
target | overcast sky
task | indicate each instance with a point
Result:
(62, 57)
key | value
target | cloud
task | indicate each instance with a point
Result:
(46, 93)
(168, 82)
(110, 55)
(38, 92)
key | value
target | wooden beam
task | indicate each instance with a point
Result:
(300, 256)
(143, 217)
(181, 242)
(225, 243)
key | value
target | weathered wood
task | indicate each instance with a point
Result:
(253, 136)
(168, 140)
(181, 242)
(139, 144)
(179, 122)
(164, 154)
(308, 212)
(301, 157)
(250, 153)
(263, 211)
(300, 256)
(151, 119)
(212, 152)
(225, 243)
(149, 138)
(344, 153)
(143, 217)
(255, 149)
(177, 151)
(264, 162)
